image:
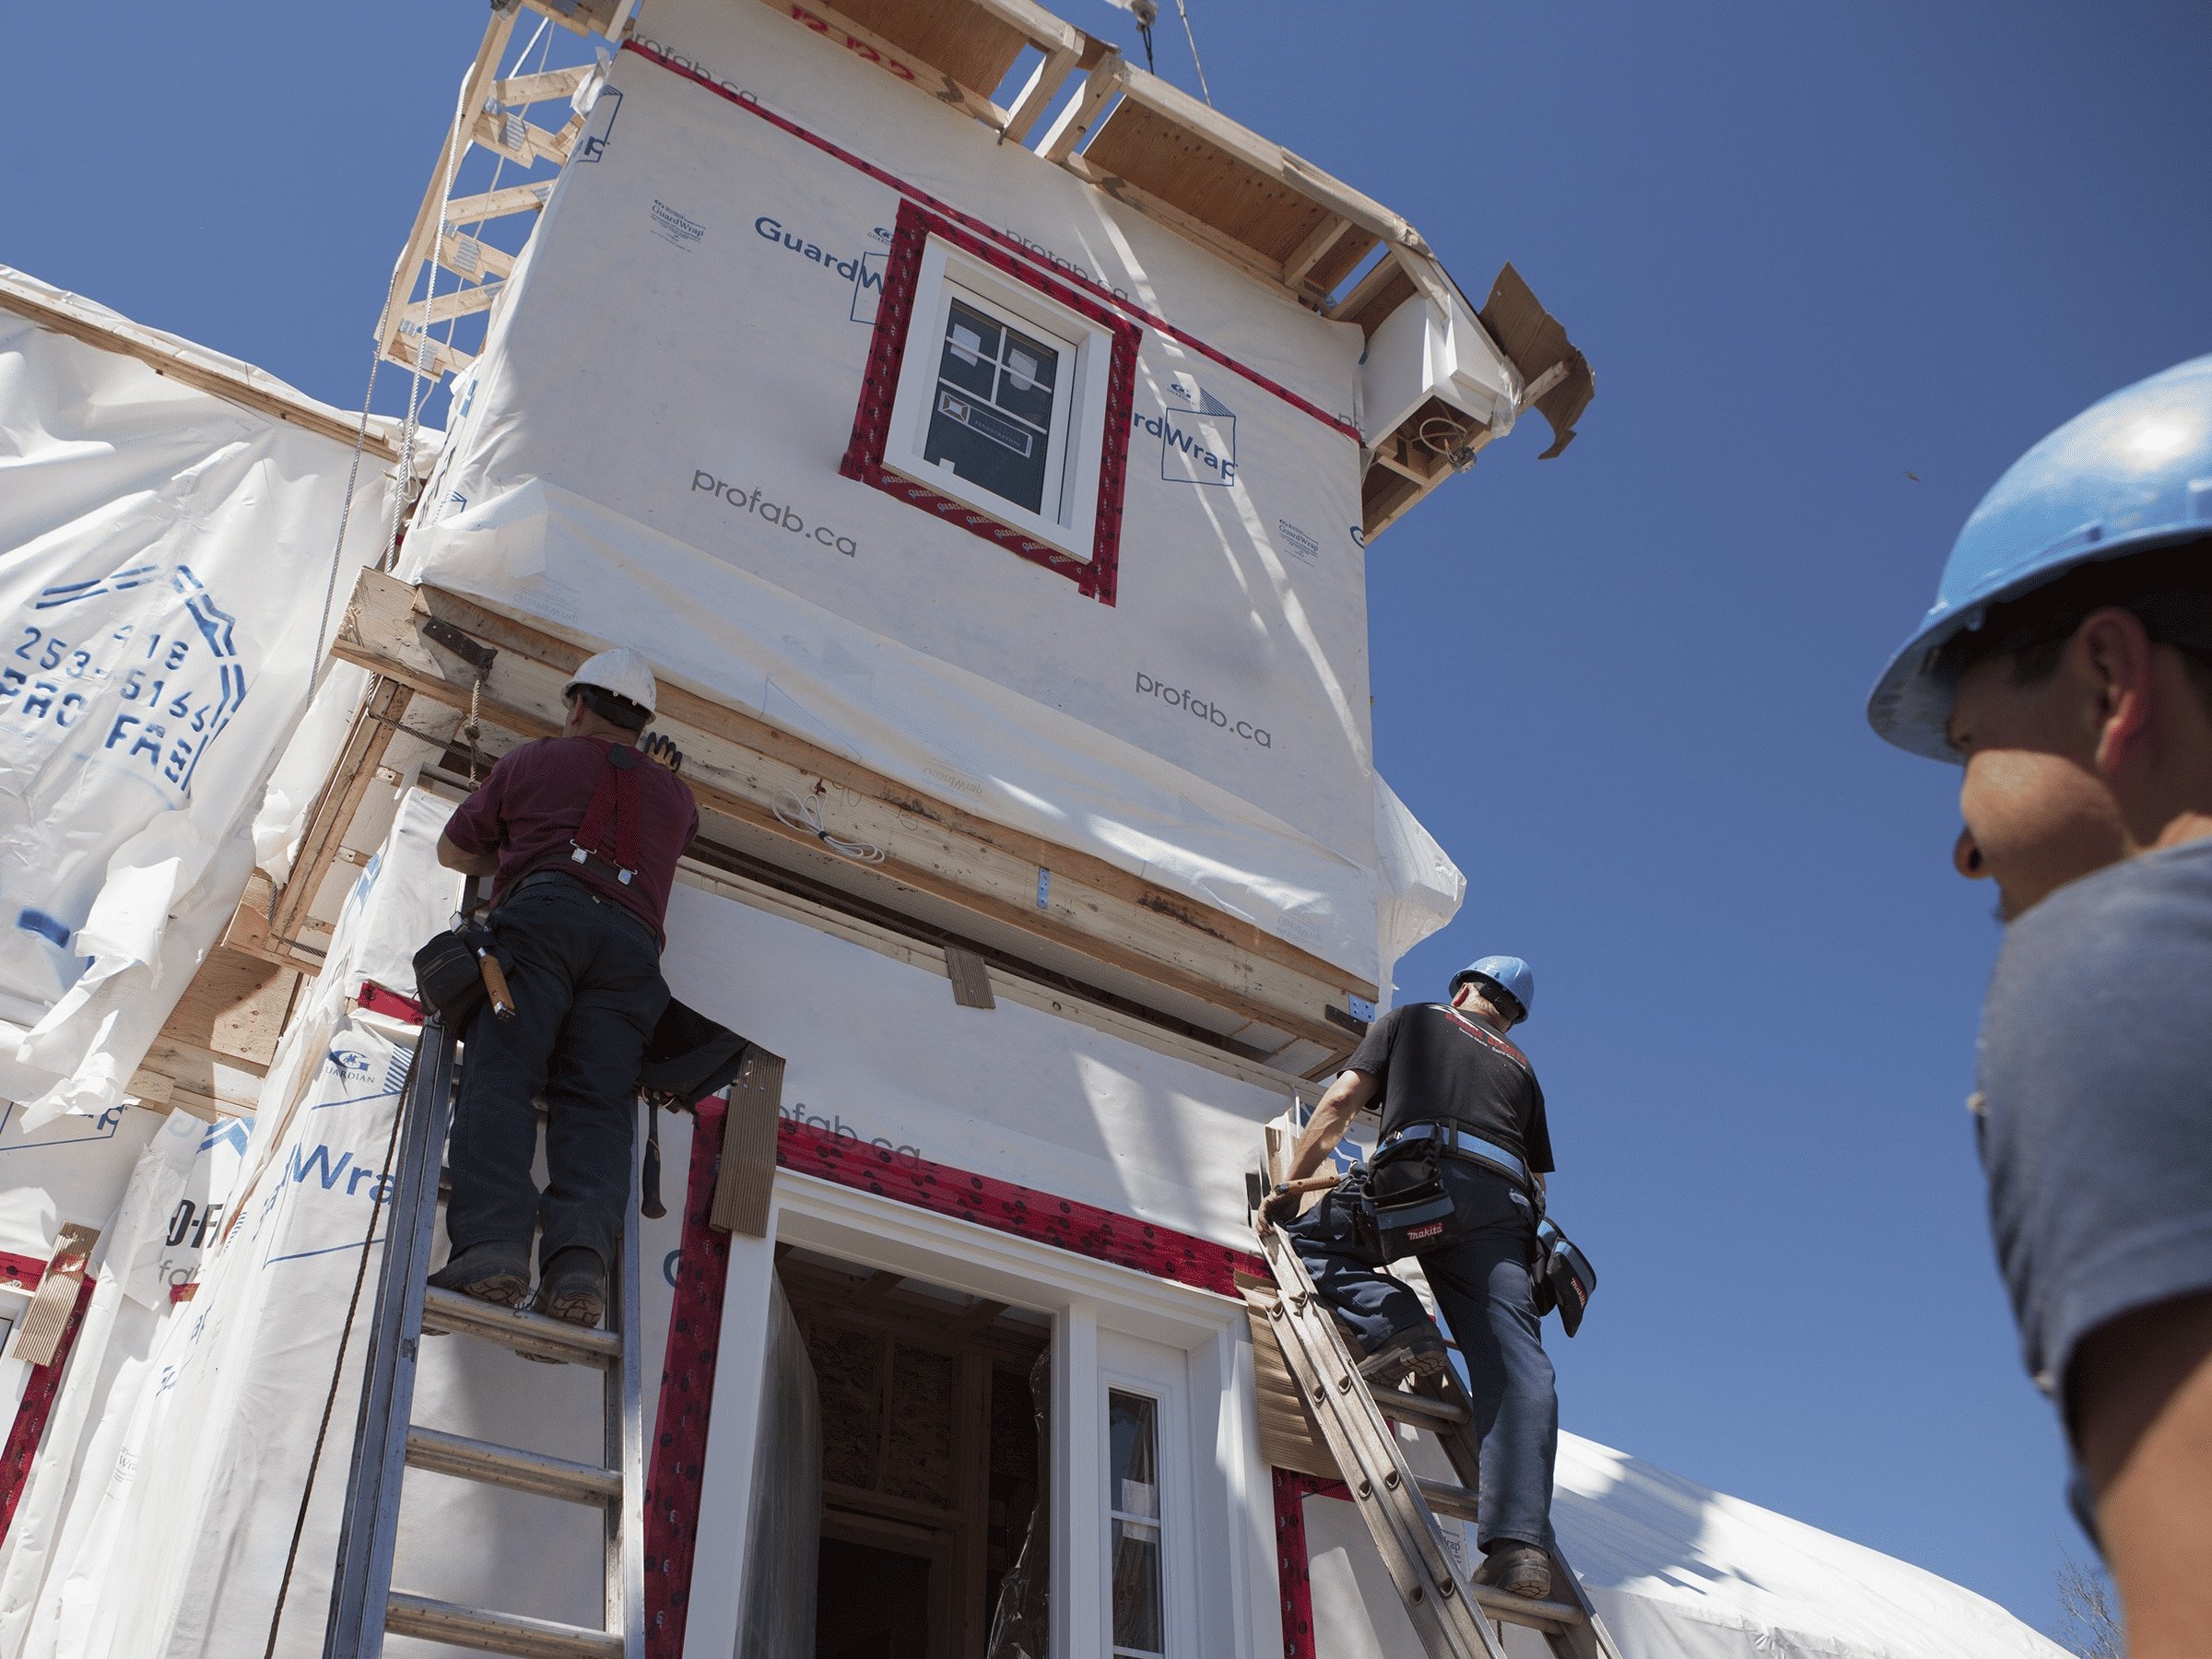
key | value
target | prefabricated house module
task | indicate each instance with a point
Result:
(985, 441)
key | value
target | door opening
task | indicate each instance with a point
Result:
(933, 1479)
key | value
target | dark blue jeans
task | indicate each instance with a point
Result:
(586, 978)
(1482, 1285)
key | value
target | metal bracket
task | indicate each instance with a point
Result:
(478, 656)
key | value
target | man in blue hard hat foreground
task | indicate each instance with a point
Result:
(2067, 666)
(1462, 1112)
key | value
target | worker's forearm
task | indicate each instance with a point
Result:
(468, 864)
(1332, 1116)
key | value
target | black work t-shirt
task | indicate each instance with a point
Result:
(1435, 1065)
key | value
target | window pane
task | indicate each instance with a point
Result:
(1137, 1586)
(1132, 1496)
(990, 416)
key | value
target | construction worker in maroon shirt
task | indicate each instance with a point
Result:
(581, 835)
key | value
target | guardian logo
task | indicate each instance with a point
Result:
(1197, 436)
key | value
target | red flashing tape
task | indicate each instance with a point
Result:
(676, 1459)
(29, 1425)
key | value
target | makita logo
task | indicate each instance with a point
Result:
(1175, 697)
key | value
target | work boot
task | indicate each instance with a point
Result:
(1416, 1351)
(497, 1272)
(573, 1286)
(1517, 1568)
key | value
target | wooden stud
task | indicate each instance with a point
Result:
(1067, 130)
(1046, 81)
(382, 706)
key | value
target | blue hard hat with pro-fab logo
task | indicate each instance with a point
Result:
(1511, 974)
(2127, 474)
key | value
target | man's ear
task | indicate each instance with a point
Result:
(2110, 653)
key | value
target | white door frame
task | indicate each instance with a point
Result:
(1235, 1512)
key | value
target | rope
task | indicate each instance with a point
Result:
(316, 667)
(337, 1371)
(1183, 12)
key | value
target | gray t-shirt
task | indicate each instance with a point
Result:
(2096, 1082)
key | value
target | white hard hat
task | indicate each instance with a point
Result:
(622, 671)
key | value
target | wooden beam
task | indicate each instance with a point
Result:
(497, 204)
(524, 142)
(476, 88)
(1044, 85)
(1103, 81)
(382, 706)
(467, 257)
(251, 388)
(1310, 251)
(524, 90)
(740, 766)
(1249, 260)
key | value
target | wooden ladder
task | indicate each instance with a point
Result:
(364, 1607)
(1454, 1618)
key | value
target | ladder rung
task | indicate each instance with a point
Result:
(491, 1632)
(1423, 1410)
(1448, 1500)
(1549, 1616)
(532, 1334)
(510, 1466)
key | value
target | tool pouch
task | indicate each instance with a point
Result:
(1563, 1279)
(447, 977)
(1413, 1210)
(687, 1058)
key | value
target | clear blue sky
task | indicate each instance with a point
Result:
(1809, 250)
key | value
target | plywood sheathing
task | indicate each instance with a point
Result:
(962, 39)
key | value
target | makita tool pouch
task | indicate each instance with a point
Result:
(448, 978)
(1563, 1278)
(1413, 1209)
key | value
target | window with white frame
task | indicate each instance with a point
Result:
(1134, 1525)
(1001, 402)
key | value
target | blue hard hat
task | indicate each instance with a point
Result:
(1515, 977)
(2125, 476)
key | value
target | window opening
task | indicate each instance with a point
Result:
(999, 416)
(1133, 1512)
(997, 398)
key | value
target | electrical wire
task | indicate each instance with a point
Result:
(807, 816)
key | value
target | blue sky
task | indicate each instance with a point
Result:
(1811, 251)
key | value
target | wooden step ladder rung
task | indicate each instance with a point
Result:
(510, 1466)
(487, 1631)
(525, 1333)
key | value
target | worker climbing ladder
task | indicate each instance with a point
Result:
(365, 1606)
(1453, 1617)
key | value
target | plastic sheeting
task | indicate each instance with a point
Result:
(164, 554)
(648, 453)
(174, 1540)
(1680, 1570)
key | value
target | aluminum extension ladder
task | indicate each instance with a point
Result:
(1453, 1617)
(364, 1607)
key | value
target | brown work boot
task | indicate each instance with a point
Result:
(1517, 1568)
(573, 1288)
(497, 1272)
(1417, 1352)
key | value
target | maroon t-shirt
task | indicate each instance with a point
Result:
(530, 809)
